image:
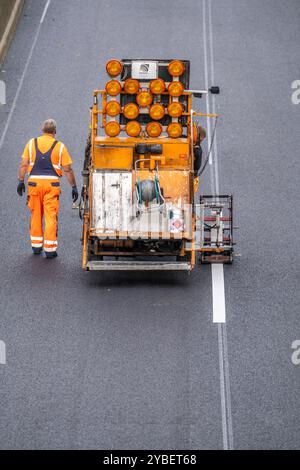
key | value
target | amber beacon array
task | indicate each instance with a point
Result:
(142, 167)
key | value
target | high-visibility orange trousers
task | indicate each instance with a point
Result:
(43, 202)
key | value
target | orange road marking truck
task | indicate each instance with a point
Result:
(141, 171)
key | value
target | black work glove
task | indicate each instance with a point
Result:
(21, 188)
(74, 193)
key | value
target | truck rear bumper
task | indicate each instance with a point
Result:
(138, 266)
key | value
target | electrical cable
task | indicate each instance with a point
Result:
(200, 171)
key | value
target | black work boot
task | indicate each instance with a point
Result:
(51, 254)
(37, 251)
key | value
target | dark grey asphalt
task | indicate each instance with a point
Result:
(131, 360)
(257, 57)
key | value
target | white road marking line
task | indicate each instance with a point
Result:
(222, 388)
(210, 160)
(22, 77)
(45, 11)
(227, 388)
(218, 292)
(2, 353)
(212, 73)
(227, 427)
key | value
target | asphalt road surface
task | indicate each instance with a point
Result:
(131, 360)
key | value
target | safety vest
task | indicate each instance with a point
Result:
(42, 166)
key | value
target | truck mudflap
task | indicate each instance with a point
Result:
(126, 265)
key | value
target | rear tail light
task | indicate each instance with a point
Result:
(113, 88)
(112, 129)
(131, 111)
(114, 68)
(133, 128)
(131, 86)
(157, 111)
(176, 89)
(113, 108)
(175, 109)
(174, 130)
(154, 129)
(176, 68)
(157, 86)
(144, 99)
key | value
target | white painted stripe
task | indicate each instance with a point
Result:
(222, 388)
(37, 238)
(210, 160)
(222, 335)
(218, 291)
(21, 82)
(45, 11)
(227, 388)
(36, 245)
(2, 353)
(215, 144)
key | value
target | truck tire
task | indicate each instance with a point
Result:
(87, 152)
(198, 158)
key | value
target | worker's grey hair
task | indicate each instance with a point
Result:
(49, 126)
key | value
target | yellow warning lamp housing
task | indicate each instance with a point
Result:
(176, 89)
(176, 68)
(113, 88)
(175, 109)
(114, 68)
(131, 86)
(133, 128)
(112, 129)
(113, 108)
(157, 111)
(174, 130)
(154, 129)
(157, 86)
(144, 99)
(131, 110)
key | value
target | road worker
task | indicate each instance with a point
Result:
(45, 159)
(200, 136)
